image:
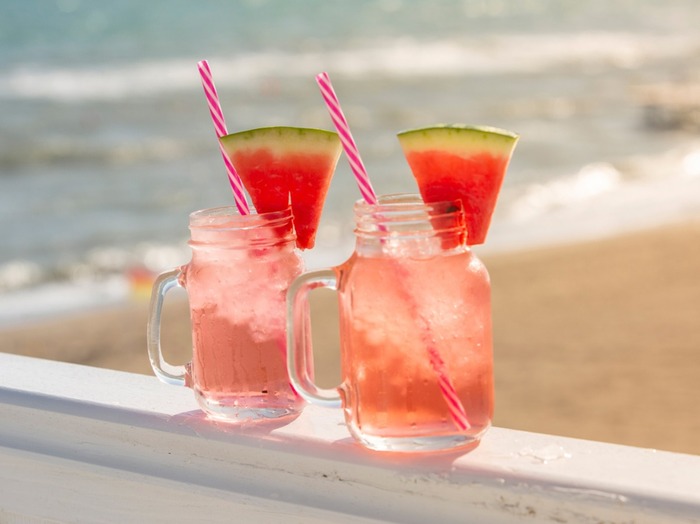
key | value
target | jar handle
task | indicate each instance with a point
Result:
(166, 372)
(299, 350)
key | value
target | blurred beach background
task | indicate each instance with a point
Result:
(107, 146)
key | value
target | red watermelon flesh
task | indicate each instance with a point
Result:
(279, 165)
(468, 163)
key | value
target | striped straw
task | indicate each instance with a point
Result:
(449, 393)
(341, 125)
(217, 116)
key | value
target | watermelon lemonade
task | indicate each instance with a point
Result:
(412, 288)
(236, 282)
(394, 387)
(241, 268)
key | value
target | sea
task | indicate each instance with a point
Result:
(106, 143)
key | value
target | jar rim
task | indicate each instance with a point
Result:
(228, 217)
(405, 215)
(407, 203)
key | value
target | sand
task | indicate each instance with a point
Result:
(597, 340)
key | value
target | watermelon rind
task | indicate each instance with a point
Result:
(459, 139)
(279, 138)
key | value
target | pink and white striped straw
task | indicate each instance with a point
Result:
(217, 116)
(449, 393)
(341, 125)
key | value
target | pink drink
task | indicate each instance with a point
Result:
(411, 291)
(237, 281)
(389, 387)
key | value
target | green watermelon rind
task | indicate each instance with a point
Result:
(460, 139)
(283, 138)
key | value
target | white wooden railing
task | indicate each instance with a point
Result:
(81, 444)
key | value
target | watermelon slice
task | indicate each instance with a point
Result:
(282, 164)
(451, 162)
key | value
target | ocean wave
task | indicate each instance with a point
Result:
(95, 265)
(67, 149)
(401, 57)
(596, 181)
(591, 181)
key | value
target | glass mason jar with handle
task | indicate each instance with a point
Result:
(236, 282)
(415, 330)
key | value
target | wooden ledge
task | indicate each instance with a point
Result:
(83, 444)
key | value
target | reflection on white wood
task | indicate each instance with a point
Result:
(80, 444)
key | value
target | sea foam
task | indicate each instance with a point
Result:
(402, 57)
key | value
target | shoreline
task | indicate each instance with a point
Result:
(593, 339)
